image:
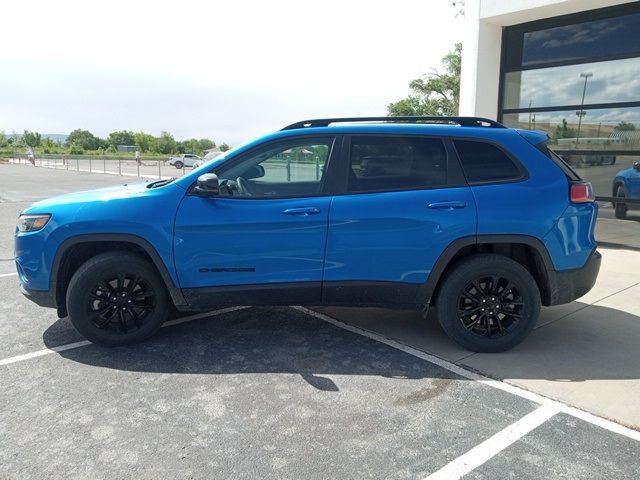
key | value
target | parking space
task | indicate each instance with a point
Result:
(296, 393)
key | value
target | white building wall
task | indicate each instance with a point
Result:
(482, 40)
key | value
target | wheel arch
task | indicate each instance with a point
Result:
(74, 251)
(618, 182)
(526, 250)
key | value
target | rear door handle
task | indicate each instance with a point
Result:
(448, 205)
(303, 211)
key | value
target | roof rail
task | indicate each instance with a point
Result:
(462, 121)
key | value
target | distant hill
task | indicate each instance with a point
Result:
(56, 137)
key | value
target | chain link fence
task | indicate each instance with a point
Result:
(148, 167)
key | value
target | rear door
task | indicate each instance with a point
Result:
(404, 201)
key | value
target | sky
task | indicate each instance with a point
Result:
(225, 70)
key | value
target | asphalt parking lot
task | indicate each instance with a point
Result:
(265, 392)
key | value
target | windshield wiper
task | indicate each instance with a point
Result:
(161, 183)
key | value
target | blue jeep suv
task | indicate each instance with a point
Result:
(626, 185)
(480, 221)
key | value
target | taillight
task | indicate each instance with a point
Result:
(581, 192)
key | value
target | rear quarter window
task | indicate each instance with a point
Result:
(558, 160)
(484, 162)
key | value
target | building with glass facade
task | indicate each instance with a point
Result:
(569, 67)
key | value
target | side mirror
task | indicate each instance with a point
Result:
(207, 185)
(637, 166)
(257, 171)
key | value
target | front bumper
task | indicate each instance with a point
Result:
(566, 286)
(43, 298)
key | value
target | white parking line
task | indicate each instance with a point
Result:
(493, 445)
(71, 346)
(8, 274)
(463, 372)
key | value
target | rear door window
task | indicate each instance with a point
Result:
(484, 162)
(396, 163)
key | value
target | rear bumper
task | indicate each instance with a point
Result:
(567, 285)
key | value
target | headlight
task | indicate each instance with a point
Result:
(32, 223)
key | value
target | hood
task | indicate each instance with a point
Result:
(91, 196)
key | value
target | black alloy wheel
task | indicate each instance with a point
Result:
(120, 304)
(117, 298)
(487, 302)
(490, 306)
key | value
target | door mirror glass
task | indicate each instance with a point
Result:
(257, 171)
(207, 185)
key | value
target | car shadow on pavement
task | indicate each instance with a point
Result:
(594, 343)
(260, 340)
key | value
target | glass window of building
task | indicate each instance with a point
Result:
(576, 77)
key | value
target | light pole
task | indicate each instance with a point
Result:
(581, 113)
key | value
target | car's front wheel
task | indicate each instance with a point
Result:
(178, 165)
(488, 303)
(117, 298)
(620, 207)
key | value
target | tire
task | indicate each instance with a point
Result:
(620, 208)
(178, 165)
(515, 293)
(122, 280)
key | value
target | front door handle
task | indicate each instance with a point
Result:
(303, 211)
(448, 205)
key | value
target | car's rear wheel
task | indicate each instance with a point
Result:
(117, 298)
(620, 208)
(178, 165)
(488, 303)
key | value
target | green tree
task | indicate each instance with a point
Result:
(76, 148)
(189, 146)
(223, 147)
(3, 139)
(166, 143)
(564, 131)
(85, 139)
(205, 144)
(435, 93)
(48, 145)
(625, 126)
(32, 139)
(146, 142)
(122, 137)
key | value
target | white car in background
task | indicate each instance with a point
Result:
(186, 160)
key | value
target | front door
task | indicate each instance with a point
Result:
(262, 240)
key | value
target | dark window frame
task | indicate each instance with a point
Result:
(523, 172)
